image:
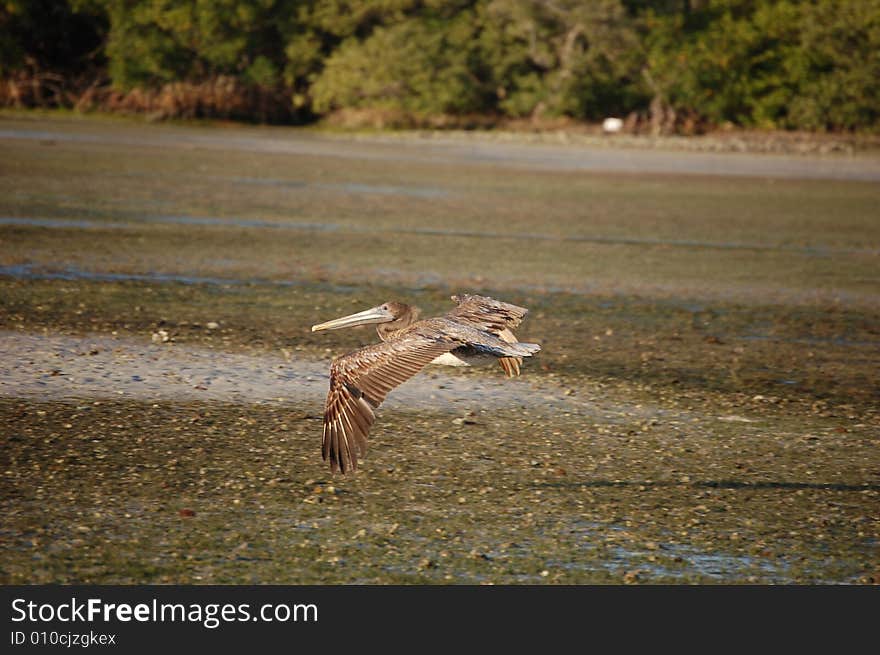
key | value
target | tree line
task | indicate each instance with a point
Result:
(664, 65)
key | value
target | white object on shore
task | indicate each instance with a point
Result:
(612, 125)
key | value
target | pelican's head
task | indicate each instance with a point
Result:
(386, 313)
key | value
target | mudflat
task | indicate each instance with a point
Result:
(704, 409)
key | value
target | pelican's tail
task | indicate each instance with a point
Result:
(511, 364)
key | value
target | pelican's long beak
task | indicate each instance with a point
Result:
(366, 317)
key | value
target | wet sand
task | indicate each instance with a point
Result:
(704, 408)
(89, 367)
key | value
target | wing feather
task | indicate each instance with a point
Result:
(487, 313)
(359, 383)
(493, 316)
(509, 364)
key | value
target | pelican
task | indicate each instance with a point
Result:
(476, 331)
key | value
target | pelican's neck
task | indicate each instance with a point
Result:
(389, 330)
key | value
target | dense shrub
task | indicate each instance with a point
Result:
(668, 64)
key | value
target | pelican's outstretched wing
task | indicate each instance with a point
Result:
(359, 383)
(487, 313)
(494, 316)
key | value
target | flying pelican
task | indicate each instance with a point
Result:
(477, 330)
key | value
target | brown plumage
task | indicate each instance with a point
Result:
(478, 328)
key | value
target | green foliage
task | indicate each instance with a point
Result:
(840, 86)
(419, 66)
(561, 58)
(794, 64)
(157, 41)
(788, 63)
